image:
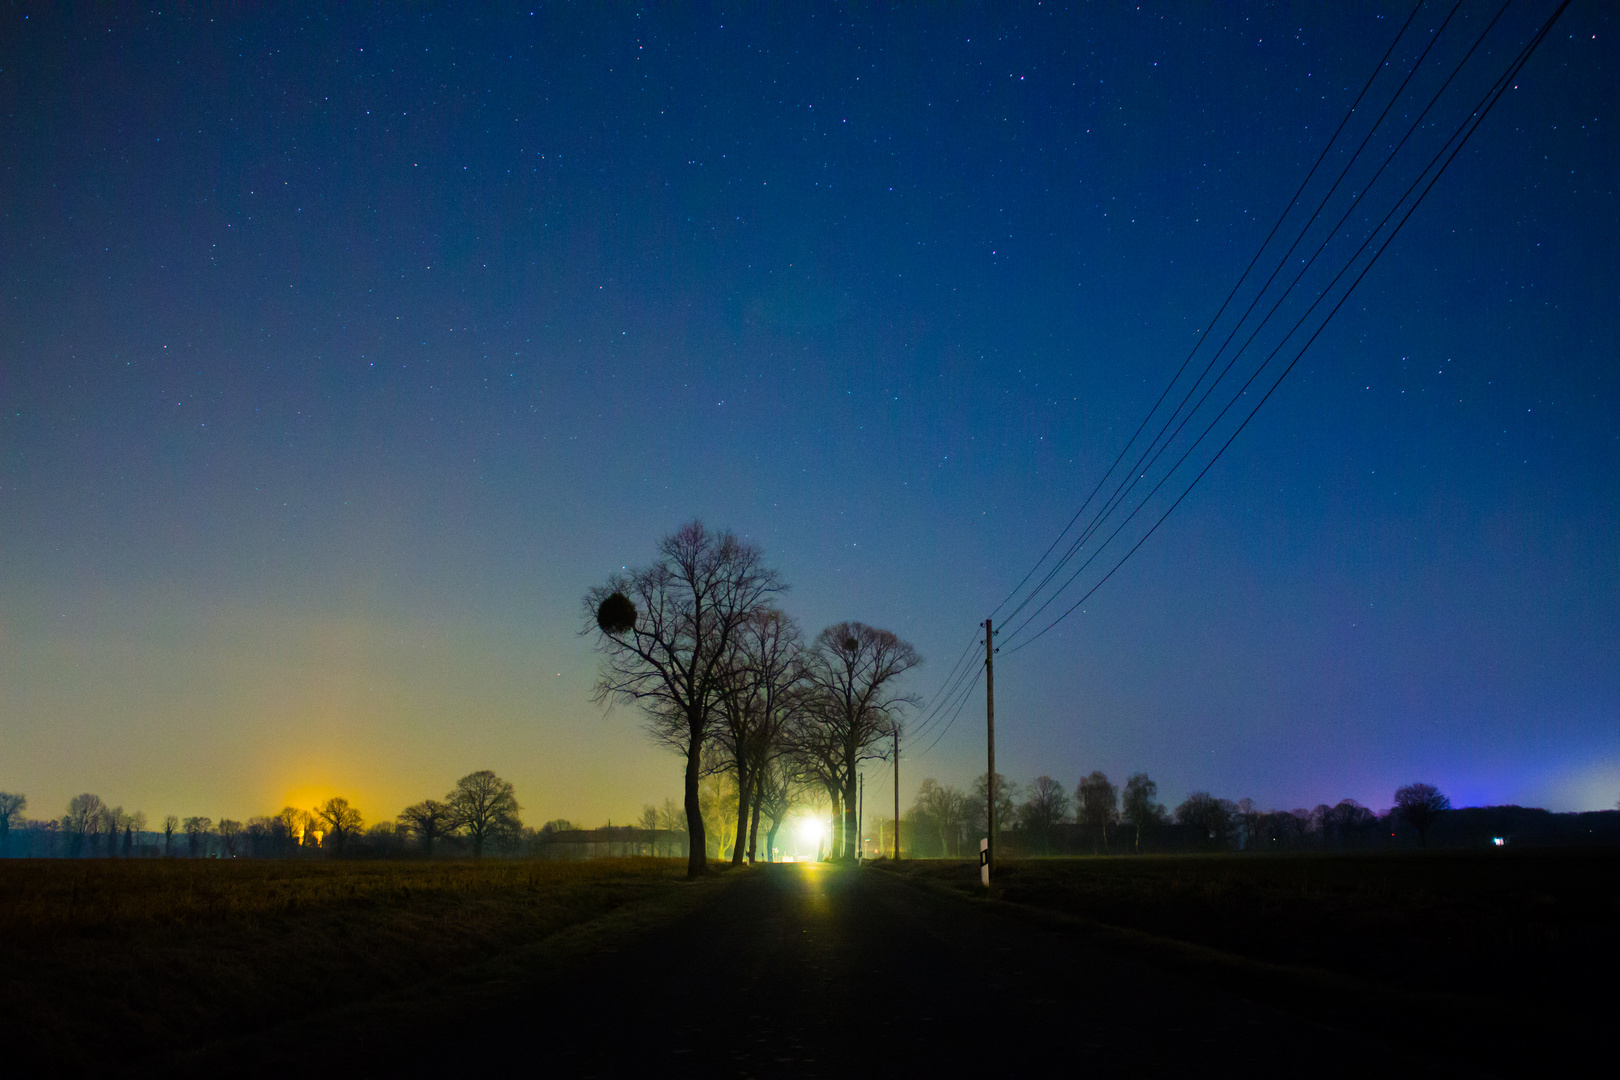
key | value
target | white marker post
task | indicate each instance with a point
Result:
(984, 862)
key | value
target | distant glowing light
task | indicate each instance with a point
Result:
(1499, 841)
(813, 830)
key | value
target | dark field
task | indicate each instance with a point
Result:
(1478, 963)
(1531, 938)
(114, 959)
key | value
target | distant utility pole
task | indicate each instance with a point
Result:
(990, 731)
(896, 792)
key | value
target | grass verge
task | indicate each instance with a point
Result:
(1486, 957)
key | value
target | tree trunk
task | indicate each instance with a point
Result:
(697, 850)
(770, 840)
(753, 828)
(852, 825)
(837, 796)
(745, 782)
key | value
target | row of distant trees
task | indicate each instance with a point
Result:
(726, 678)
(479, 814)
(1043, 818)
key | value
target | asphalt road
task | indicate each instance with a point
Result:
(804, 970)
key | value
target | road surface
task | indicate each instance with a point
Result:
(804, 970)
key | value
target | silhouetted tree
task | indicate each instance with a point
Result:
(649, 823)
(672, 818)
(1208, 818)
(228, 831)
(978, 815)
(853, 670)
(113, 823)
(1140, 810)
(82, 823)
(1420, 804)
(11, 812)
(664, 642)
(484, 805)
(340, 819)
(429, 820)
(777, 793)
(1348, 823)
(261, 836)
(761, 689)
(292, 827)
(1098, 804)
(197, 831)
(1046, 805)
(170, 824)
(1248, 820)
(943, 809)
(815, 761)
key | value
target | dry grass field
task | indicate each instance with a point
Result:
(113, 959)
(1533, 929)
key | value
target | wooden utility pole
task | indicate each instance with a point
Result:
(897, 792)
(990, 732)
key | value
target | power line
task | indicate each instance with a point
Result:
(1461, 136)
(960, 702)
(1377, 68)
(943, 700)
(1138, 474)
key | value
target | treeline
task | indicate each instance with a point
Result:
(1099, 817)
(478, 815)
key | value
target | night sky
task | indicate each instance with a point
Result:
(341, 353)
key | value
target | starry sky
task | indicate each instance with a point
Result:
(341, 351)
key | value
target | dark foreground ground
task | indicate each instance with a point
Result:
(812, 971)
(1314, 966)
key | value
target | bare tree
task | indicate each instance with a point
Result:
(11, 811)
(291, 827)
(484, 805)
(672, 818)
(717, 796)
(853, 670)
(778, 792)
(82, 822)
(429, 820)
(1420, 804)
(649, 824)
(112, 822)
(261, 836)
(1099, 804)
(1140, 808)
(944, 809)
(761, 690)
(1006, 806)
(341, 820)
(1249, 817)
(197, 832)
(170, 824)
(228, 831)
(664, 633)
(816, 761)
(1208, 819)
(1046, 805)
